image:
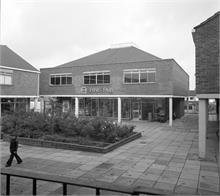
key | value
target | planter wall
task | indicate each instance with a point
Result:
(70, 146)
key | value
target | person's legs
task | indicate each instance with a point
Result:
(19, 160)
(10, 160)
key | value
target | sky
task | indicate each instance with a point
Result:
(48, 33)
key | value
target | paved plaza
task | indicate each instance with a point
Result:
(163, 158)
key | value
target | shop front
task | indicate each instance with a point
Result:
(14, 104)
(131, 108)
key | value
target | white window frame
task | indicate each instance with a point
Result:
(60, 75)
(4, 73)
(96, 73)
(149, 70)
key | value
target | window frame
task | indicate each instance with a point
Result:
(96, 74)
(60, 76)
(131, 71)
(7, 72)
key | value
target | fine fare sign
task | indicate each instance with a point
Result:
(96, 90)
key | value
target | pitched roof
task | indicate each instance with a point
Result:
(112, 56)
(9, 58)
(207, 20)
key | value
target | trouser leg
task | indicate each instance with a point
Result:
(10, 159)
(17, 157)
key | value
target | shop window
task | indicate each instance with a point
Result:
(60, 79)
(6, 77)
(97, 77)
(136, 76)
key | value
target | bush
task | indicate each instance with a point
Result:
(64, 127)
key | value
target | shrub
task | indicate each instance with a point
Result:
(64, 127)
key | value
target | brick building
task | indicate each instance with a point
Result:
(191, 103)
(207, 38)
(118, 83)
(19, 81)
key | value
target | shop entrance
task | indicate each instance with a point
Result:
(148, 111)
(136, 110)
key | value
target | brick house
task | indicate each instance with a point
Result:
(19, 81)
(206, 38)
(118, 83)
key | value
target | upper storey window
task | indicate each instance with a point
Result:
(60, 79)
(94, 78)
(6, 77)
(136, 76)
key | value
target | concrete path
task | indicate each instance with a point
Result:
(164, 158)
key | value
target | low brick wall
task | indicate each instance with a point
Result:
(69, 146)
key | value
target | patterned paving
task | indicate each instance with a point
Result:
(164, 158)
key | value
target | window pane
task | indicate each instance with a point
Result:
(143, 77)
(69, 80)
(1, 79)
(52, 80)
(151, 77)
(57, 80)
(106, 79)
(127, 77)
(100, 79)
(8, 80)
(86, 79)
(63, 80)
(93, 79)
(135, 77)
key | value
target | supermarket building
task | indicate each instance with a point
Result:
(118, 83)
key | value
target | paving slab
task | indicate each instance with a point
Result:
(164, 157)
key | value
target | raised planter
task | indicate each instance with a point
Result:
(70, 146)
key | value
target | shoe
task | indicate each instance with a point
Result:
(19, 162)
(7, 165)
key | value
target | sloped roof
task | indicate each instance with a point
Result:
(207, 20)
(112, 56)
(9, 58)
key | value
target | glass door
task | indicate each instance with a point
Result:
(135, 110)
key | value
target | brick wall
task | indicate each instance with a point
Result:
(180, 80)
(206, 39)
(24, 83)
(163, 85)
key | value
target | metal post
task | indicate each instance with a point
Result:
(7, 184)
(97, 191)
(76, 107)
(119, 109)
(170, 111)
(34, 187)
(64, 189)
(203, 120)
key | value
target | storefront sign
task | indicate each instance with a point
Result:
(96, 90)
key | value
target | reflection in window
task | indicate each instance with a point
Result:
(139, 76)
(127, 77)
(106, 107)
(60, 79)
(143, 77)
(135, 77)
(97, 78)
(6, 77)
